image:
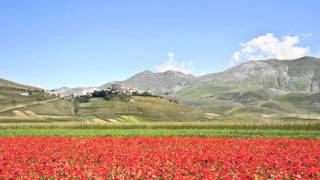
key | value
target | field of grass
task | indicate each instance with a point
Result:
(149, 132)
(244, 129)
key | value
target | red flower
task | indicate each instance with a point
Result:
(158, 158)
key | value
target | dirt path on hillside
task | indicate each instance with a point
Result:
(26, 105)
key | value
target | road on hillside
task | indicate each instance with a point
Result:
(25, 105)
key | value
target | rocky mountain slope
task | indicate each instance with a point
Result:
(302, 74)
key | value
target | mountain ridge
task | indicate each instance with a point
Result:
(302, 74)
(291, 75)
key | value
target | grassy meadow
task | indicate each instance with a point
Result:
(147, 132)
(284, 129)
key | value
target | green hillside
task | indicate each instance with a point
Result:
(15, 95)
(139, 109)
(6, 83)
(249, 101)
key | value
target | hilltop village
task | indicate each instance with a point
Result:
(112, 90)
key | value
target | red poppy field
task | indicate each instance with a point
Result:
(158, 158)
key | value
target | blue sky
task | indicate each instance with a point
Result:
(88, 43)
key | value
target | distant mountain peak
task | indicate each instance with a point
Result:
(167, 82)
(164, 72)
(146, 72)
(173, 72)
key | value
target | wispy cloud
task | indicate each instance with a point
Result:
(172, 64)
(269, 46)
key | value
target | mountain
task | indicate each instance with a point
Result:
(254, 87)
(302, 74)
(159, 83)
(168, 82)
(268, 86)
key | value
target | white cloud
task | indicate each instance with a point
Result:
(171, 64)
(268, 46)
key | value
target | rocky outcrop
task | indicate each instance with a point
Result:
(315, 81)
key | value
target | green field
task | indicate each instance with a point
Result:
(245, 129)
(159, 132)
